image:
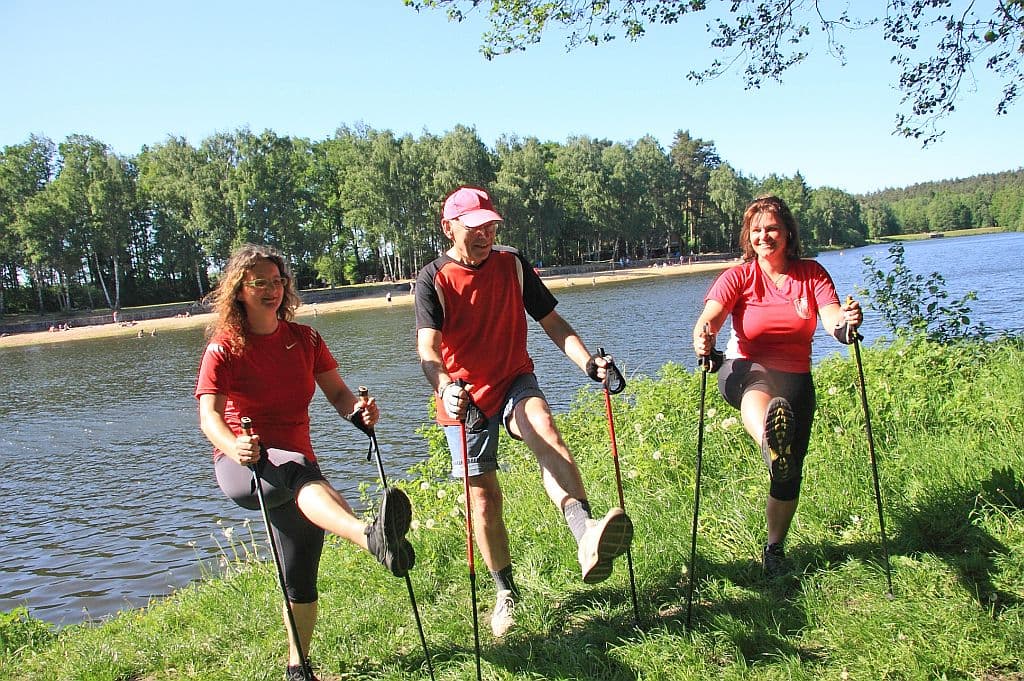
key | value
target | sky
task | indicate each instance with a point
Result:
(132, 73)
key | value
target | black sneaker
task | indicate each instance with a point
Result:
(776, 447)
(773, 561)
(385, 538)
(296, 673)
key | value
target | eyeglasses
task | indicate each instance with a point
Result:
(264, 284)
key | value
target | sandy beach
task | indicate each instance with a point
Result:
(154, 326)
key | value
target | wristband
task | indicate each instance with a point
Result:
(845, 334)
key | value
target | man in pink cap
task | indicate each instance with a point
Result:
(471, 306)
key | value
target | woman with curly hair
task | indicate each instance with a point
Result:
(261, 364)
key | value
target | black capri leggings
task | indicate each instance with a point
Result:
(737, 376)
(299, 542)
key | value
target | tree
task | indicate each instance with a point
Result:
(835, 219)
(583, 188)
(730, 192)
(660, 197)
(97, 188)
(770, 36)
(167, 182)
(693, 160)
(525, 193)
(880, 220)
(25, 170)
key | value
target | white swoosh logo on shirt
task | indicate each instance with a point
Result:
(289, 347)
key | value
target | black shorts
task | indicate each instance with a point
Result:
(737, 376)
(299, 542)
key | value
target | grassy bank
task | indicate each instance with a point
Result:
(950, 446)
(974, 231)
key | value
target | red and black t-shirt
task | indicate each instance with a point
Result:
(272, 382)
(481, 314)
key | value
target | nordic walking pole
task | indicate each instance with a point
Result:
(359, 423)
(618, 473)
(469, 537)
(289, 616)
(855, 338)
(705, 365)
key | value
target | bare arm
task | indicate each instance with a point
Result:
(242, 449)
(344, 401)
(428, 347)
(834, 316)
(567, 340)
(714, 316)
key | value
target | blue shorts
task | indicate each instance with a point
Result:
(482, 447)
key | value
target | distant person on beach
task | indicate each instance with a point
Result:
(471, 306)
(775, 299)
(261, 364)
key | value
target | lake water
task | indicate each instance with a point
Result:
(108, 487)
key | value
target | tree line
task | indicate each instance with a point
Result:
(84, 227)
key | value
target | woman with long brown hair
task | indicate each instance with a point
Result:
(261, 365)
(775, 298)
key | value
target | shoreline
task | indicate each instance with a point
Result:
(153, 326)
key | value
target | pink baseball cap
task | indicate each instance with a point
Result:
(471, 205)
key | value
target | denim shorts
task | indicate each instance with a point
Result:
(482, 447)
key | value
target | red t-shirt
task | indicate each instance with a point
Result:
(271, 382)
(481, 314)
(774, 326)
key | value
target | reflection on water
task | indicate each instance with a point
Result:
(108, 487)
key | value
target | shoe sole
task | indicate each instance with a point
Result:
(778, 431)
(396, 511)
(615, 539)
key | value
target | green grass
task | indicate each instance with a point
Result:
(973, 231)
(949, 445)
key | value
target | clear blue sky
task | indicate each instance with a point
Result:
(131, 73)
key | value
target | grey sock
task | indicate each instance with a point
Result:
(503, 580)
(577, 513)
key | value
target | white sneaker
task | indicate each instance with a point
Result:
(603, 541)
(503, 617)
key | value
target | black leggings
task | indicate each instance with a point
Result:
(737, 376)
(299, 542)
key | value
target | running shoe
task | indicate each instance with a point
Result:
(294, 672)
(385, 538)
(773, 561)
(604, 541)
(503, 617)
(777, 444)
